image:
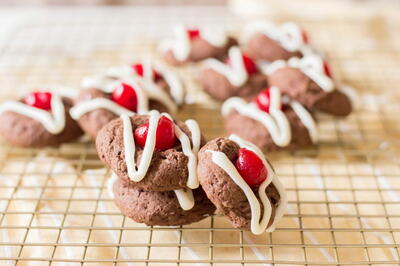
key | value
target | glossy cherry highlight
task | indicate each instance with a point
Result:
(125, 96)
(251, 167)
(165, 134)
(138, 68)
(263, 100)
(193, 33)
(41, 100)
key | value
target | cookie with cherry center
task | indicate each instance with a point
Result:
(309, 81)
(237, 76)
(152, 152)
(195, 44)
(241, 183)
(266, 41)
(132, 89)
(41, 118)
(271, 121)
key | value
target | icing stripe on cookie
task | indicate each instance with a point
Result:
(185, 198)
(235, 72)
(53, 121)
(311, 65)
(275, 122)
(98, 103)
(257, 225)
(306, 119)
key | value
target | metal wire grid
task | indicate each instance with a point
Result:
(344, 195)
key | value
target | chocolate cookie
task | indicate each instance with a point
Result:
(40, 119)
(286, 125)
(241, 184)
(168, 167)
(159, 207)
(266, 41)
(238, 77)
(315, 91)
(193, 45)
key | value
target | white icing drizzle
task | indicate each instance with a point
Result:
(257, 226)
(180, 44)
(110, 183)
(185, 198)
(235, 72)
(306, 119)
(144, 89)
(275, 121)
(310, 65)
(288, 35)
(138, 174)
(53, 121)
(174, 83)
(98, 103)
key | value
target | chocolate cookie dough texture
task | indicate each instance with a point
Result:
(195, 44)
(40, 119)
(167, 174)
(271, 121)
(308, 80)
(125, 90)
(237, 76)
(254, 202)
(268, 42)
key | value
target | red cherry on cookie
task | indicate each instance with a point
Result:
(41, 100)
(193, 33)
(249, 64)
(165, 134)
(327, 70)
(138, 68)
(263, 100)
(251, 167)
(125, 96)
(305, 37)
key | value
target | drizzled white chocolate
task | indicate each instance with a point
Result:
(288, 35)
(145, 90)
(235, 72)
(53, 121)
(310, 65)
(172, 80)
(275, 121)
(258, 224)
(180, 44)
(137, 173)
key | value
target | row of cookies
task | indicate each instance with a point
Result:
(271, 84)
(164, 172)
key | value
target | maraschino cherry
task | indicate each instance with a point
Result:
(263, 100)
(249, 64)
(304, 35)
(41, 100)
(165, 134)
(327, 69)
(138, 68)
(193, 33)
(251, 167)
(125, 96)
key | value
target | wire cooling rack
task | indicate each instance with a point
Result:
(344, 195)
